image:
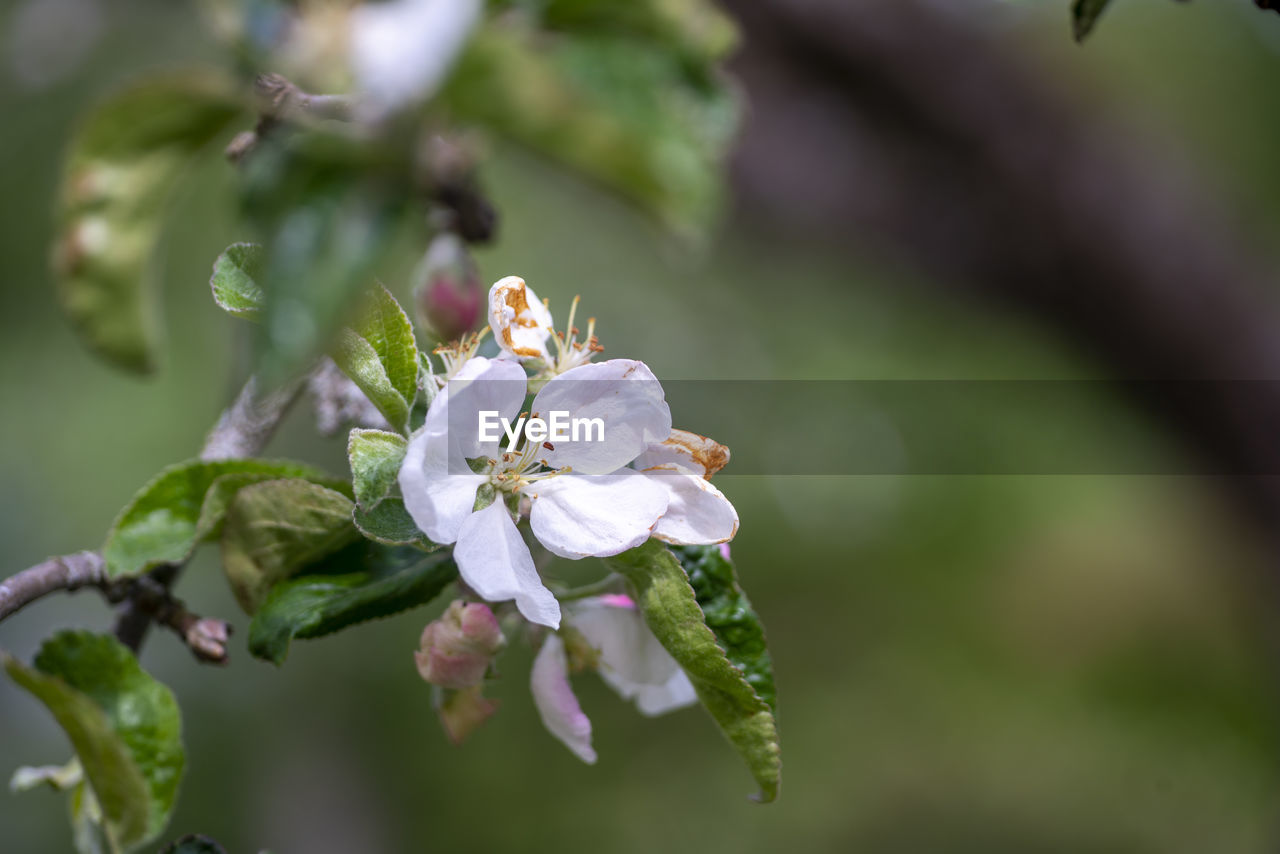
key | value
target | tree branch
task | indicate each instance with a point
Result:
(67, 573)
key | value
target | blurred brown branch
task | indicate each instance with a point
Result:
(908, 127)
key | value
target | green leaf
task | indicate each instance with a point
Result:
(671, 610)
(1084, 16)
(183, 505)
(390, 524)
(639, 114)
(194, 843)
(276, 527)
(124, 726)
(123, 165)
(360, 583)
(375, 457)
(380, 356)
(235, 280)
(730, 616)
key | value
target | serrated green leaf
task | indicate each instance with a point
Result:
(638, 114)
(194, 843)
(671, 610)
(1084, 16)
(381, 357)
(121, 170)
(360, 583)
(375, 457)
(276, 527)
(235, 280)
(730, 616)
(125, 728)
(390, 524)
(181, 506)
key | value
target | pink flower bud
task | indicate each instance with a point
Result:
(462, 712)
(456, 649)
(448, 293)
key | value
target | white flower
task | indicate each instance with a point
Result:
(401, 50)
(521, 324)
(629, 659)
(697, 513)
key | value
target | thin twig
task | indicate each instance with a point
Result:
(67, 573)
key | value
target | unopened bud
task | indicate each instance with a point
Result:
(448, 294)
(207, 638)
(456, 649)
(462, 712)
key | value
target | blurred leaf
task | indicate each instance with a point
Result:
(193, 843)
(671, 611)
(1084, 16)
(696, 29)
(122, 167)
(181, 506)
(234, 280)
(330, 596)
(390, 524)
(276, 527)
(638, 114)
(124, 726)
(730, 616)
(324, 207)
(381, 357)
(375, 457)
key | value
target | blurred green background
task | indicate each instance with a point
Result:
(981, 664)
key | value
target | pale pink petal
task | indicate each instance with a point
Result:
(495, 386)
(577, 516)
(628, 401)
(495, 562)
(553, 695)
(438, 500)
(697, 513)
(687, 452)
(520, 322)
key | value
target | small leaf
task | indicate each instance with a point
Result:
(122, 167)
(124, 726)
(1084, 16)
(671, 611)
(730, 615)
(380, 356)
(330, 596)
(181, 506)
(276, 527)
(375, 457)
(193, 843)
(235, 280)
(390, 524)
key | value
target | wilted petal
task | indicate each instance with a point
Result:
(577, 516)
(686, 451)
(438, 500)
(553, 695)
(697, 513)
(494, 560)
(626, 397)
(520, 322)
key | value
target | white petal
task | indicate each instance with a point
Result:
(697, 514)
(687, 451)
(577, 516)
(495, 562)
(632, 660)
(483, 385)
(402, 49)
(520, 322)
(559, 708)
(626, 397)
(439, 501)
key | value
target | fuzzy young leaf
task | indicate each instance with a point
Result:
(670, 608)
(642, 115)
(375, 457)
(235, 280)
(1084, 16)
(380, 356)
(183, 505)
(124, 726)
(390, 524)
(276, 527)
(330, 596)
(730, 615)
(122, 167)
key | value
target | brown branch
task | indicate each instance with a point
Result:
(66, 573)
(281, 101)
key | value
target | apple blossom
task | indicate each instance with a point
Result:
(456, 650)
